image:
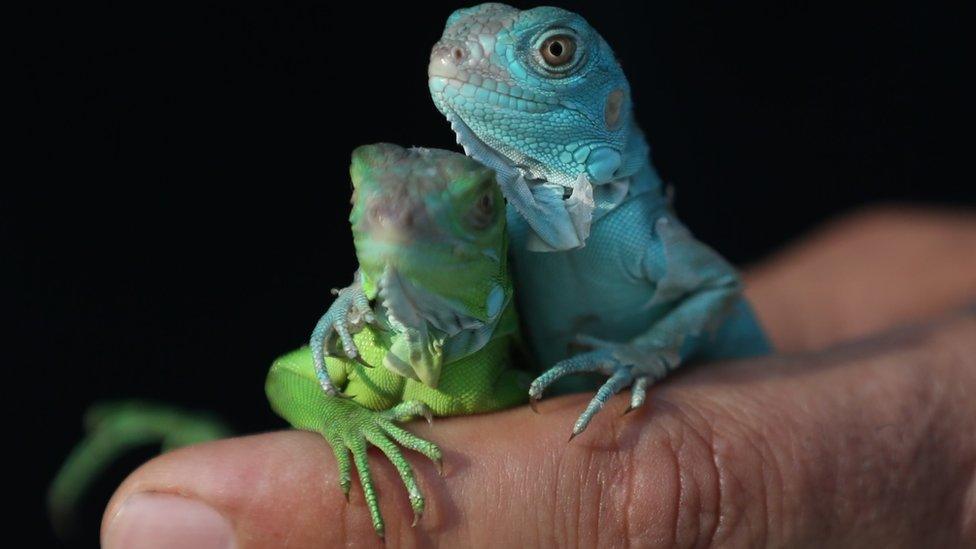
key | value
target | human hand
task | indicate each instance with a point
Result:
(864, 431)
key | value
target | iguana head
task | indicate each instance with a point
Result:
(434, 219)
(539, 88)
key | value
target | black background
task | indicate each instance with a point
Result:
(183, 211)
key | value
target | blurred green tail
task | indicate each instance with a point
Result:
(114, 428)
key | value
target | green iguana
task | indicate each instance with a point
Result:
(429, 233)
(430, 238)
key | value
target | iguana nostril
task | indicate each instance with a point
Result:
(444, 61)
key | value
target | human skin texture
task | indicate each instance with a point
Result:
(861, 432)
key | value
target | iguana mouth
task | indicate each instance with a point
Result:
(474, 147)
(490, 92)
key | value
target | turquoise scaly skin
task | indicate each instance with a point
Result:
(600, 260)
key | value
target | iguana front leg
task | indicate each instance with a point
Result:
(701, 287)
(350, 429)
(347, 315)
(348, 425)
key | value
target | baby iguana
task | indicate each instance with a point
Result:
(600, 260)
(429, 234)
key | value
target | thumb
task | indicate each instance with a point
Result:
(864, 444)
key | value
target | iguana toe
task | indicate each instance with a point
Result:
(351, 429)
(638, 392)
(600, 360)
(621, 378)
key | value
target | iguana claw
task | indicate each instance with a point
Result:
(603, 359)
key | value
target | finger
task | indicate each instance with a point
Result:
(864, 274)
(867, 445)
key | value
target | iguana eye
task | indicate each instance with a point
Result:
(486, 202)
(483, 212)
(558, 50)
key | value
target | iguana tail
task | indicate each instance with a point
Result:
(114, 428)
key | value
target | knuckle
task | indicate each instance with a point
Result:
(746, 481)
(683, 479)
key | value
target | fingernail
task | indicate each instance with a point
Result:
(153, 520)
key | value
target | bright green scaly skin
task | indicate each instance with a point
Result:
(429, 232)
(600, 259)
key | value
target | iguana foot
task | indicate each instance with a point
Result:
(625, 365)
(347, 315)
(350, 428)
